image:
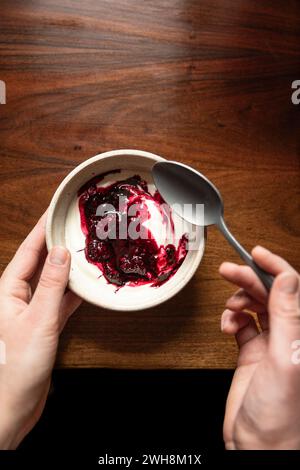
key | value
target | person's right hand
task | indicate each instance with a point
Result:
(263, 405)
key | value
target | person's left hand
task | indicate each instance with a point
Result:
(34, 307)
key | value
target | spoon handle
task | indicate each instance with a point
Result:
(266, 278)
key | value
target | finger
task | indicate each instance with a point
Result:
(272, 263)
(241, 300)
(284, 316)
(69, 305)
(48, 296)
(36, 277)
(240, 324)
(25, 261)
(244, 277)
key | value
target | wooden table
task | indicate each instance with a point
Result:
(205, 82)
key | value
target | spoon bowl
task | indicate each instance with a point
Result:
(179, 183)
(183, 188)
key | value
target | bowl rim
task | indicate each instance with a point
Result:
(74, 286)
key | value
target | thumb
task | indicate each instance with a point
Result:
(48, 295)
(284, 316)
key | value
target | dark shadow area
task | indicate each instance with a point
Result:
(92, 413)
(113, 410)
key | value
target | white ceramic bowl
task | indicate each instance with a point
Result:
(63, 228)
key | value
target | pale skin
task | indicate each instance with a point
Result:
(263, 409)
(263, 406)
(34, 309)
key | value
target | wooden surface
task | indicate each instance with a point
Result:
(205, 82)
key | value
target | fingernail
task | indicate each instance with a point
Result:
(223, 323)
(58, 255)
(262, 248)
(289, 283)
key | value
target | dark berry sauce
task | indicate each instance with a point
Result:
(121, 259)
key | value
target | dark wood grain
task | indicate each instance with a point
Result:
(206, 82)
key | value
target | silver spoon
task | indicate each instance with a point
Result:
(180, 184)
